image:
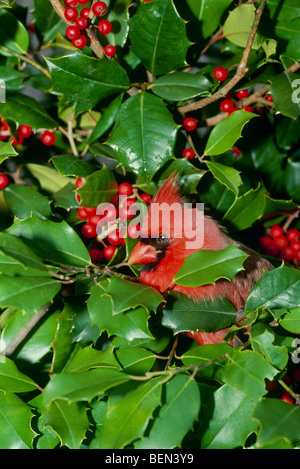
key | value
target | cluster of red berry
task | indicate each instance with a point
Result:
(283, 245)
(292, 380)
(23, 131)
(76, 32)
(103, 222)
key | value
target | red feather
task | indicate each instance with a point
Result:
(214, 238)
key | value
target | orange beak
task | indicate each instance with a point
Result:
(142, 254)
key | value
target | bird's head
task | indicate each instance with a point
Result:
(168, 229)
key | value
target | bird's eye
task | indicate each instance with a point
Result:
(163, 237)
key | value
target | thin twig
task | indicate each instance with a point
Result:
(240, 73)
(26, 59)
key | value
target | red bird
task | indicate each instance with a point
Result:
(165, 242)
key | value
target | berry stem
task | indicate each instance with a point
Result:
(241, 69)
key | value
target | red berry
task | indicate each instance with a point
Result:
(188, 153)
(71, 13)
(236, 151)
(226, 105)
(271, 250)
(287, 254)
(295, 245)
(48, 138)
(108, 211)
(79, 182)
(293, 235)
(72, 32)
(25, 131)
(220, 73)
(133, 230)
(248, 109)
(17, 142)
(281, 242)
(242, 94)
(286, 379)
(189, 124)
(125, 189)
(4, 128)
(3, 181)
(110, 50)
(99, 8)
(265, 241)
(96, 255)
(269, 98)
(232, 110)
(96, 220)
(296, 375)
(276, 231)
(105, 27)
(83, 2)
(287, 398)
(71, 3)
(82, 23)
(114, 238)
(271, 386)
(90, 211)
(88, 230)
(81, 212)
(109, 251)
(146, 198)
(80, 42)
(85, 12)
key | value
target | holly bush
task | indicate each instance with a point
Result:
(110, 101)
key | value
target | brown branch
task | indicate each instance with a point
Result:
(94, 43)
(240, 73)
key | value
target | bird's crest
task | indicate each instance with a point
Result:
(169, 192)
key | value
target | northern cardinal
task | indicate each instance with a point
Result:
(164, 244)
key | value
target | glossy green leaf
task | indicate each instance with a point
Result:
(100, 187)
(86, 80)
(13, 34)
(23, 200)
(206, 267)
(52, 241)
(204, 16)
(288, 35)
(230, 422)
(160, 48)
(182, 393)
(136, 361)
(183, 314)
(278, 288)
(131, 325)
(23, 109)
(144, 135)
(7, 150)
(262, 340)
(284, 96)
(238, 25)
(277, 419)
(107, 119)
(49, 179)
(69, 165)
(127, 419)
(27, 293)
(74, 387)
(246, 372)
(88, 357)
(227, 175)
(15, 418)
(180, 86)
(126, 295)
(12, 380)
(69, 421)
(291, 321)
(227, 132)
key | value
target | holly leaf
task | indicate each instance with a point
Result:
(101, 186)
(238, 25)
(183, 314)
(206, 267)
(160, 48)
(227, 132)
(24, 200)
(86, 80)
(12, 380)
(180, 86)
(144, 135)
(7, 150)
(53, 241)
(13, 34)
(227, 175)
